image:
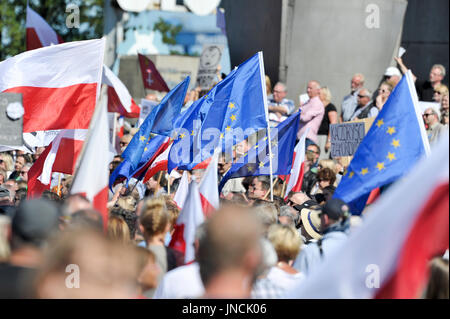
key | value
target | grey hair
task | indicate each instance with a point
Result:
(287, 211)
(282, 85)
(440, 67)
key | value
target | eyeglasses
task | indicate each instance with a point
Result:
(361, 96)
(123, 144)
(311, 151)
(427, 114)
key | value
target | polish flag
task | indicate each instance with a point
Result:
(295, 179)
(209, 192)
(119, 99)
(39, 33)
(160, 161)
(182, 191)
(59, 84)
(92, 176)
(60, 156)
(150, 75)
(190, 218)
(388, 255)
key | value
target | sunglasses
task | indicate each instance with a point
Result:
(427, 114)
(23, 172)
(361, 96)
(1, 161)
(437, 92)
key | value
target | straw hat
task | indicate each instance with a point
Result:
(311, 222)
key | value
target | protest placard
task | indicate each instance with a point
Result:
(346, 137)
(209, 62)
(11, 119)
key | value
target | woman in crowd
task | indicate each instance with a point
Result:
(439, 91)
(325, 177)
(330, 117)
(287, 243)
(6, 163)
(118, 229)
(384, 91)
(444, 109)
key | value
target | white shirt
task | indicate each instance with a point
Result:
(181, 283)
(283, 279)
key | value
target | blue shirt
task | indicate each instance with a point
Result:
(349, 105)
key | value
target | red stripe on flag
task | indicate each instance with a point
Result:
(66, 158)
(33, 41)
(69, 107)
(298, 186)
(114, 105)
(207, 208)
(203, 164)
(100, 201)
(429, 237)
(35, 187)
(177, 241)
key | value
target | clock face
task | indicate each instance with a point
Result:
(210, 57)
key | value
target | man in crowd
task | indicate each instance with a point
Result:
(310, 168)
(434, 127)
(259, 187)
(311, 113)
(230, 253)
(350, 101)
(425, 89)
(279, 106)
(365, 108)
(334, 225)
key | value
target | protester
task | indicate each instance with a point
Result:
(330, 117)
(310, 224)
(279, 107)
(6, 163)
(384, 91)
(350, 101)
(230, 253)
(335, 223)
(439, 91)
(434, 127)
(259, 187)
(311, 114)
(365, 106)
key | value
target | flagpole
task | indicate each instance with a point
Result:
(114, 131)
(266, 109)
(168, 184)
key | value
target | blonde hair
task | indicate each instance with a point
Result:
(268, 85)
(327, 163)
(388, 84)
(127, 202)
(360, 76)
(8, 160)
(172, 208)
(327, 93)
(118, 229)
(286, 241)
(154, 217)
(441, 88)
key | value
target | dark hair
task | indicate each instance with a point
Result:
(51, 196)
(21, 194)
(128, 216)
(326, 174)
(87, 218)
(265, 181)
(317, 147)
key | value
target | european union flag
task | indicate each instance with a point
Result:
(395, 141)
(231, 108)
(160, 121)
(256, 161)
(125, 171)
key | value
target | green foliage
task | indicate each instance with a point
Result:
(168, 31)
(13, 18)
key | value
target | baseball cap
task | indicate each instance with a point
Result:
(392, 70)
(35, 220)
(335, 208)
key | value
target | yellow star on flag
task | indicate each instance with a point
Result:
(380, 166)
(351, 174)
(231, 105)
(274, 143)
(249, 168)
(265, 139)
(380, 122)
(228, 128)
(182, 136)
(391, 130)
(192, 133)
(142, 138)
(145, 149)
(221, 135)
(391, 156)
(233, 117)
(364, 171)
(256, 146)
(395, 143)
(261, 164)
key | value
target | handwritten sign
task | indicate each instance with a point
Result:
(345, 138)
(11, 119)
(209, 62)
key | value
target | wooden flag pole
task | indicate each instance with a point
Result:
(267, 193)
(114, 131)
(284, 188)
(58, 190)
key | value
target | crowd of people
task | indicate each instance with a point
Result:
(251, 247)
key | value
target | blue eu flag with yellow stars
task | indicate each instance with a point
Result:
(394, 143)
(256, 161)
(160, 121)
(234, 105)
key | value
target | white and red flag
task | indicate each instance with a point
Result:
(119, 99)
(59, 84)
(92, 176)
(39, 33)
(182, 191)
(388, 255)
(60, 156)
(209, 191)
(295, 179)
(159, 161)
(190, 218)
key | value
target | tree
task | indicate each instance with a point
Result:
(13, 19)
